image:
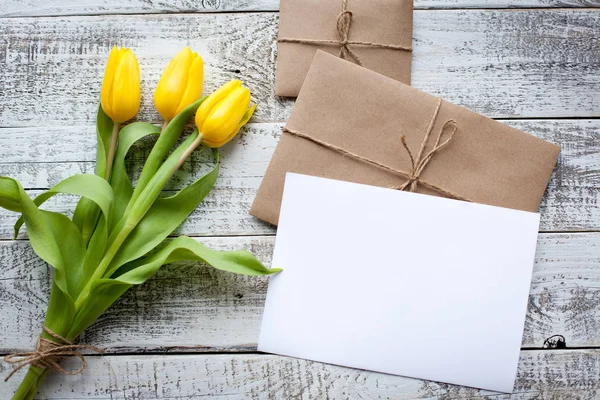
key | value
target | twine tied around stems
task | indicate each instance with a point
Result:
(418, 162)
(48, 353)
(344, 22)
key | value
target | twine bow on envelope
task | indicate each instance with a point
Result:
(344, 22)
(418, 163)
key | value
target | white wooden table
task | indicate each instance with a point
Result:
(192, 331)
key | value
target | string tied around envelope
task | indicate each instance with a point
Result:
(344, 22)
(47, 354)
(418, 163)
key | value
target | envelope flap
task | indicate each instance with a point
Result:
(366, 113)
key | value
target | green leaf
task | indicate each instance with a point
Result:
(10, 197)
(163, 217)
(60, 313)
(79, 262)
(186, 248)
(88, 186)
(52, 244)
(94, 251)
(120, 180)
(106, 291)
(86, 213)
(134, 213)
(163, 146)
(104, 127)
(54, 238)
(85, 218)
(103, 294)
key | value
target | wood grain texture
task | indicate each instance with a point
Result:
(190, 307)
(490, 4)
(542, 63)
(566, 375)
(32, 8)
(42, 158)
(506, 64)
(23, 8)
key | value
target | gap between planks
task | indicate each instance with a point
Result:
(258, 121)
(108, 353)
(274, 234)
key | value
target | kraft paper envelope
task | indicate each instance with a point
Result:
(385, 22)
(365, 113)
(401, 283)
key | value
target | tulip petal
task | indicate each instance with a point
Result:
(195, 79)
(247, 116)
(107, 82)
(243, 122)
(126, 88)
(213, 100)
(172, 84)
(225, 116)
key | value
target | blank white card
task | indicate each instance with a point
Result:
(400, 283)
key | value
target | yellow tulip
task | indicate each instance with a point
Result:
(223, 113)
(120, 95)
(180, 84)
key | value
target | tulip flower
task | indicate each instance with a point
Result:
(180, 84)
(120, 95)
(223, 113)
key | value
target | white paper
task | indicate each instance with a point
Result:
(400, 283)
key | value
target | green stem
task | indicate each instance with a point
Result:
(169, 136)
(106, 260)
(40, 378)
(141, 206)
(28, 387)
(59, 319)
(111, 151)
(187, 153)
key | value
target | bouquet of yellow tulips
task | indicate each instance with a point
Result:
(118, 235)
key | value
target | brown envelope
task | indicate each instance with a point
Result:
(386, 22)
(366, 113)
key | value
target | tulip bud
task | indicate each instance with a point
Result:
(180, 84)
(223, 113)
(120, 95)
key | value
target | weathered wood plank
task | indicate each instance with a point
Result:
(189, 307)
(542, 63)
(40, 159)
(566, 375)
(18, 8)
(450, 4)
(30, 8)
